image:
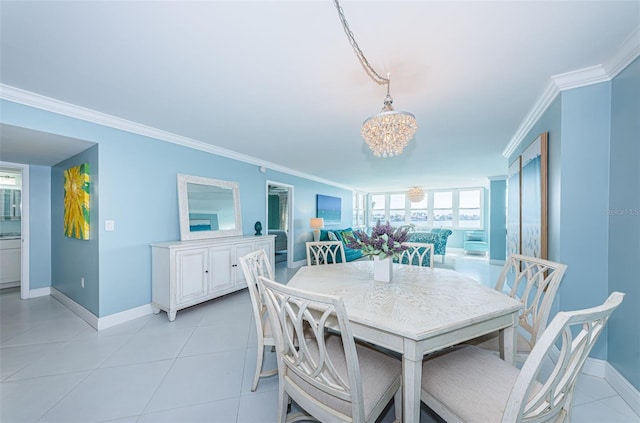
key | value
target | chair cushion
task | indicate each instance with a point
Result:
(490, 342)
(378, 372)
(469, 382)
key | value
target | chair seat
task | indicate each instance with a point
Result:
(473, 377)
(380, 375)
(490, 341)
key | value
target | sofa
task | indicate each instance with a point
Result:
(339, 234)
(438, 237)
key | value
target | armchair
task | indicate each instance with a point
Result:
(437, 237)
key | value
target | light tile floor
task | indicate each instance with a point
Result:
(56, 368)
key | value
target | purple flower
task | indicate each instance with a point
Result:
(385, 240)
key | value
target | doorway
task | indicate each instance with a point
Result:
(14, 226)
(280, 221)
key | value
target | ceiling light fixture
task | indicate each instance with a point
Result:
(415, 194)
(388, 132)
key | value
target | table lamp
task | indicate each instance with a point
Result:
(316, 223)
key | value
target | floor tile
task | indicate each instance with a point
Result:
(212, 412)
(199, 379)
(110, 393)
(29, 399)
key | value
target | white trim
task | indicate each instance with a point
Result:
(25, 292)
(38, 292)
(628, 52)
(82, 312)
(100, 323)
(497, 178)
(594, 367)
(581, 77)
(298, 263)
(603, 369)
(124, 316)
(38, 101)
(622, 386)
(497, 262)
(532, 117)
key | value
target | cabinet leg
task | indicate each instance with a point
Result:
(171, 315)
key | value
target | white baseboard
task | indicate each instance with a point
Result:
(39, 292)
(82, 312)
(623, 387)
(100, 323)
(602, 369)
(497, 262)
(299, 263)
(124, 316)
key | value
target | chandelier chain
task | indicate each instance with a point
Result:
(363, 60)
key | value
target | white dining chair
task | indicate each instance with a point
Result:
(253, 265)
(330, 377)
(417, 254)
(534, 282)
(325, 252)
(469, 384)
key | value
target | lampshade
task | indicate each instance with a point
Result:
(389, 132)
(415, 194)
(316, 222)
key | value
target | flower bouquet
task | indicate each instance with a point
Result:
(385, 241)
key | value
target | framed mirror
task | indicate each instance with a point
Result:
(209, 208)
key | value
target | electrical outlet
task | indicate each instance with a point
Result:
(82, 282)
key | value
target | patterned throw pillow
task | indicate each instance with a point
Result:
(347, 236)
(332, 236)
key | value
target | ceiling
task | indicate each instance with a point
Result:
(278, 80)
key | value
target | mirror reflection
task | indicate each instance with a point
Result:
(209, 208)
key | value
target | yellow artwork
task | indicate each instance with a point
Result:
(76, 201)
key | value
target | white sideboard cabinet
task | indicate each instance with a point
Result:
(185, 273)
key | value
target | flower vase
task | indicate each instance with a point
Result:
(382, 269)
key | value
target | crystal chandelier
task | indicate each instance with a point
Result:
(415, 194)
(388, 132)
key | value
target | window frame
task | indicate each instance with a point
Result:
(431, 223)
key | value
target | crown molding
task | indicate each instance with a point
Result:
(629, 51)
(49, 104)
(532, 117)
(580, 78)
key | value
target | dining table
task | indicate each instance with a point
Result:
(421, 310)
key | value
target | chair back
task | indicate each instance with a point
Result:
(534, 282)
(309, 371)
(325, 252)
(537, 399)
(417, 254)
(253, 265)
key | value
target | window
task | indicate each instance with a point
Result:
(419, 213)
(453, 209)
(397, 209)
(469, 209)
(443, 209)
(378, 208)
(359, 210)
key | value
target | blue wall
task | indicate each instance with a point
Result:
(585, 198)
(498, 219)
(624, 222)
(71, 258)
(594, 151)
(138, 190)
(39, 227)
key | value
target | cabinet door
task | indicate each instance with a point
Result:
(221, 270)
(192, 274)
(240, 251)
(269, 248)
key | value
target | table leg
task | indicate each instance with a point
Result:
(411, 384)
(508, 342)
